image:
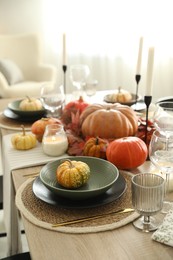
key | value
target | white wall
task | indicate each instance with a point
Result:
(20, 16)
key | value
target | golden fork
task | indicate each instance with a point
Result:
(92, 217)
(32, 175)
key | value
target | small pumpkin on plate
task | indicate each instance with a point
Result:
(127, 153)
(95, 147)
(30, 104)
(72, 174)
(121, 96)
(23, 141)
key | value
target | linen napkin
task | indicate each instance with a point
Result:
(164, 234)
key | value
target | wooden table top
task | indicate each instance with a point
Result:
(122, 243)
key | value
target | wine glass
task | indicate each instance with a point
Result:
(161, 155)
(90, 87)
(163, 117)
(78, 76)
(147, 199)
(53, 100)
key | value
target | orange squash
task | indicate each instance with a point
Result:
(72, 174)
(109, 121)
(95, 147)
(127, 153)
(38, 127)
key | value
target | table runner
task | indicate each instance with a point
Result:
(44, 215)
(15, 159)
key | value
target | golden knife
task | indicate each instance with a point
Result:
(92, 217)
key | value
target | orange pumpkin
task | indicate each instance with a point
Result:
(95, 147)
(127, 153)
(109, 121)
(38, 127)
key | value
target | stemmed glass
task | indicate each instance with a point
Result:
(147, 199)
(163, 117)
(78, 76)
(161, 155)
(90, 87)
(53, 100)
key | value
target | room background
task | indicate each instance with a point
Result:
(102, 34)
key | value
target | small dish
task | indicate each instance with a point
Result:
(103, 175)
(14, 106)
(108, 99)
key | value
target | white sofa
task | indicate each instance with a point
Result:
(21, 69)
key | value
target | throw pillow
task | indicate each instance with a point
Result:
(11, 71)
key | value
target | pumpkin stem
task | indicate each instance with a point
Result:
(69, 161)
(97, 140)
(23, 129)
(29, 99)
(80, 99)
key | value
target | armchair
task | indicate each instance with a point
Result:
(21, 69)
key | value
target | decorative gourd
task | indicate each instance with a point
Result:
(23, 141)
(30, 104)
(72, 174)
(121, 95)
(127, 153)
(109, 121)
(38, 127)
(95, 147)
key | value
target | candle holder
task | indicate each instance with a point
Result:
(147, 101)
(64, 68)
(137, 78)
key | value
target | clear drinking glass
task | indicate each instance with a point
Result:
(90, 87)
(147, 199)
(163, 117)
(53, 100)
(78, 76)
(161, 155)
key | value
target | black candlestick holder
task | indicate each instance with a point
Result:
(64, 68)
(137, 78)
(147, 101)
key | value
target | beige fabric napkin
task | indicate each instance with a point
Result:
(164, 234)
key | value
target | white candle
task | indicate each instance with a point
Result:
(139, 61)
(64, 50)
(150, 65)
(55, 145)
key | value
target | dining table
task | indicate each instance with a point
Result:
(102, 240)
(109, 237)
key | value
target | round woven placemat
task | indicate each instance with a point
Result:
(13, 124)
(44, 215)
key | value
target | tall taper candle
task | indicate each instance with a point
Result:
(150, 65)
(139, 61)
(64, 50)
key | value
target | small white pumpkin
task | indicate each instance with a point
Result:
(30, 104)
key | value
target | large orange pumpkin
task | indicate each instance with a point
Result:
(109, 121)
(127, 153)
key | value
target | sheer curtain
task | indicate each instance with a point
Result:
(105, 35)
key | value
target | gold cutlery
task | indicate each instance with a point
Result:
(92, 217)
(32, 175)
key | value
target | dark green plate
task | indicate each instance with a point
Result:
(103, 175)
